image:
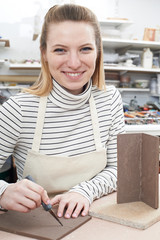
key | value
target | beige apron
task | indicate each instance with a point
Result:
(59, 173)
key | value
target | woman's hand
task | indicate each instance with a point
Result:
(71, 204)
(23, 196)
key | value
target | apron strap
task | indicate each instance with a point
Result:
(41, 117)
(40, 123)
(95, 124)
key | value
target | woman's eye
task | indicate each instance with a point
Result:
(86, 49)
(59, 50)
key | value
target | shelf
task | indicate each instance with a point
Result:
(130, 69)
(18, 78)
(134, 89)
(5, 41)
(155, 95)
(131, 44)
(148, 129)
(12, 87)
(115, 23)
(23, 66)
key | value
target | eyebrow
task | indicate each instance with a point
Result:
(61, 45)
(58, 45)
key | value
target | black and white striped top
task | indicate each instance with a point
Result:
(67, 131)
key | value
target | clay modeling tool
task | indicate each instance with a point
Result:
(47, 207)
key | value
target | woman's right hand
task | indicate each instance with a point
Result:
(23, 196)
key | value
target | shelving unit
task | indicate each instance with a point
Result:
(119, 45)
(127, 44)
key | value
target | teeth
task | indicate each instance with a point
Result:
(73, 74)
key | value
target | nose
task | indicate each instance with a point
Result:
(74, 60)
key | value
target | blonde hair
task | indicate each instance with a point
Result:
(60, 13)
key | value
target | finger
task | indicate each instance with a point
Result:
(28, 199)
(38, 190)
(70, 209)
(33, 196)
(45, 197)
(61, 208)
(33, 186)
(20, 208)
(77, 210)
(55, 200)
(27, 203)
(85, 209)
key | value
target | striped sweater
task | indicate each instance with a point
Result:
(67, 131)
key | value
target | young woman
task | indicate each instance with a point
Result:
(63, 130)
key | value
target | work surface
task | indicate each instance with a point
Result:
(97, 229)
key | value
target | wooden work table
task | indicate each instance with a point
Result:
(97, 229)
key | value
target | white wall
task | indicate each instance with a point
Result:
(17, 22)
(143, 13)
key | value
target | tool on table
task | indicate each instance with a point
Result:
(47, 207)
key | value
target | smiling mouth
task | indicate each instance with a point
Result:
(73, 74)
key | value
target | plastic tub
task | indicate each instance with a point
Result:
(141, 83)
(113, 82)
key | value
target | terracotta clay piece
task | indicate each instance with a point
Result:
(39, 224)
(138, 168)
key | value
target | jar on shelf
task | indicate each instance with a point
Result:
(125, 81)
(147, 58)
(155, 62)
(158, 84)
(153, 86)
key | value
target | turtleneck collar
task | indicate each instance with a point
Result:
(66, 100)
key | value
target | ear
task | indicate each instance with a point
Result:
(44, 55)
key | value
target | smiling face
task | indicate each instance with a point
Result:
(71, 54)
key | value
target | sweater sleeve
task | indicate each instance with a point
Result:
(10, 124)
(106, 181)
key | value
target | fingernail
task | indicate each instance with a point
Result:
(48, 201)
(74, 215)
(83, 214)
(59, 215)
(67, 216)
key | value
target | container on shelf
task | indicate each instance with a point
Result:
(139, 83)
(125, 81)
(147, 58)
(112, 75)
(158, 84)
(153, 85)
(112, 82)
(155, 62)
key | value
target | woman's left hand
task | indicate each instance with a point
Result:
(71, 204)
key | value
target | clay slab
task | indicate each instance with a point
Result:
(39, 224)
